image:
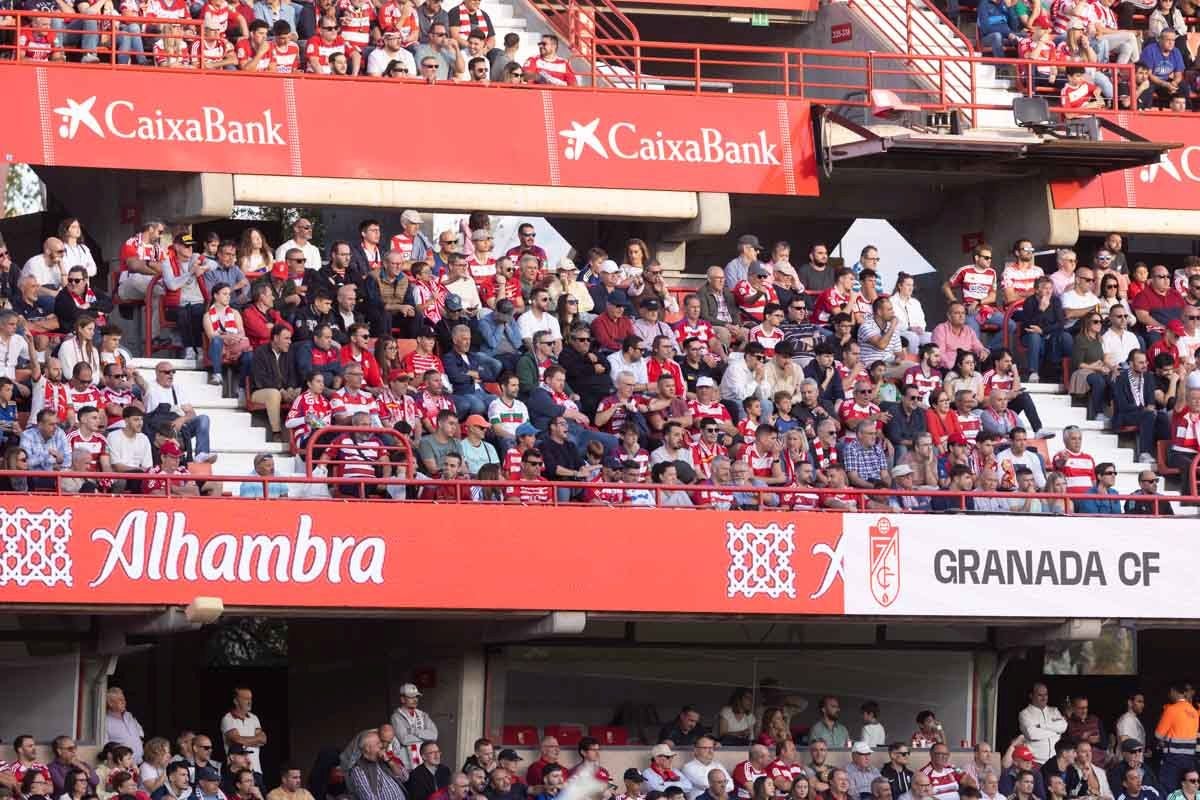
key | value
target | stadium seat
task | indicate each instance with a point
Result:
(1165, 469)
(1040, 446)
(520, 735)
(567, 735)
(887, 105)
(607, 735)
(405, 346)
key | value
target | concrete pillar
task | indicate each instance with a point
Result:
(472, 690)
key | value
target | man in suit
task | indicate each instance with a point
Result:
(273, 378)
(1133, 403)
(428, 776)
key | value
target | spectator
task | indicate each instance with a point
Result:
(941, 421)
(1158, 304)
(264, 467)
(120, 725)
(80, 348)
(954, 335)
(827, 728)
(1060, 773)
(866, 461)
(700, 770)
(860, 772)
(177, 785)
(427, 777)
(879, 337)
(1166, 65)
(1132, 760)
(929, 731)
(944, 776)
(164, 398)
(685, 730)
(547, 66)
(376, 777)
(1190, 777)
(240, 726)
(997, 418)
(226, 334)
(896, 771)
(1094, 781)
(747, 773)
(1147, 485)
(816, 274)
(975, 284)
(1134, 393)
(1134, 788)
(1043, 724)
(911, 315)
(67, 768)
(1079, 470)
(959, 478)
(291, 784)
(129, 450)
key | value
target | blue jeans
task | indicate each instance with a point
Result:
(216, 352)
(489, 367)
(995, 41)
(580, 436)
(996, 319)
(130, 44)
(1098, 389)
(475, 402)
(1053, 346)
(197, 427)
(88, 40)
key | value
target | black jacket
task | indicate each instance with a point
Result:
(267, 372)
(1123, 402)
(422, 783)
(67, 312)
(307, 320)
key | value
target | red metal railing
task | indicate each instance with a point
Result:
(838, 78)
(32, 24)
(497, 491)
(596, 29)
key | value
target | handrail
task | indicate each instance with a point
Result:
(325, 444)
(463, 488)
(831, 77)
(106, 27)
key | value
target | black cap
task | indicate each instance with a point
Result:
(651, 304)
(612, 462)
(632, 774)
(618, 298)
(207, 774)
(236, 750)
(1131, 746)
(426, 331)
(508, 755)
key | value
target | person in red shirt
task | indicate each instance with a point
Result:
(284, 54)
(357, 350)
(212, 50)
(547, 66)
(325, 44)
(254, 51)
(1079, 92)
(754, 294)
(1158, 303)
(526, 236)
(612, 327)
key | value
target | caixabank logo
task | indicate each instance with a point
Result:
(623, 140)
(123, 119)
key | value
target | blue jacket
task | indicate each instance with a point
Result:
(494, 332)
(1094, 506)
(542, 408)
(456, 371)
(996, 17)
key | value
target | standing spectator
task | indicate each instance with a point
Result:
(827, 727)
(1129, 724)
(428, 776)
(1087, 729)
(374, 776)
(1041, 723)
(227, 335)
(412, 725)
(241, 726)
(120, 725)
(589, 757)
(1176, 736)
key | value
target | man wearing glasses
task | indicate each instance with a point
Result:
(975, 286)
(392, 50)
(1157, 304)
(1106, 479)
(302, 232)
(527, 245)
(441, 57)
(411, 243)
(193, 426)
(448, 247)
(1021, 275)
(1080, 300)
(327, 42)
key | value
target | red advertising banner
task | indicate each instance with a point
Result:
(1173, 183)
(271, 125)
(328, 554)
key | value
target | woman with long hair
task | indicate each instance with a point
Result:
(910, 314)
(226, 334)
(35, 785)
(940, 419)
(387, 354)
(774, 727)
(964, 375)
(81, 346)
(1079, 48)
(15, 460)
(735, 720)
(153, 771)
(429, 295)
(75, 784)
(637, 258)
(567, 311)
(77, 253)
(1091, 374)
(1111, 295)
(254, 254)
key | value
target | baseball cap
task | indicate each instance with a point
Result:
(410, 690)
(453, 302)
(750, 239)
(236, 750)
(279, 270)
(505, 309)
(1175, 326)
(477, 420)
(786, 269)
(1127, 746)
(1023, 753)
(618, 298)
(758, 270)
(207, 774)
(426, 332)
(171, 448)
(526, 429)
(958, 438)
(565, 265)
(661, 750)
(704, 380)
(901, 470)
(862, 748)
(632, 774)
(508, 755)
(609, 266)
(398, 375)
(612, 462)
(411, 215)
(651, 304)
(186, 239)
(480, 235)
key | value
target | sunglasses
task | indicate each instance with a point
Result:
(535, 463)
(329, 27)
(165, 371)
(1108, 472)
(81, 280)
(582, 339)
(986, 258)
(1191, 316)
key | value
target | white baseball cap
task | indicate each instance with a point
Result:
(609, 266)
(410, 690)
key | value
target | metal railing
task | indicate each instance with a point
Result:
(596, 30)
(110, 29)
(509, 492)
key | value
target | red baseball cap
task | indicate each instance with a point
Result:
(279, 270)
(397, 374)
(171, 448)
(1023, 753)
(1175, 326)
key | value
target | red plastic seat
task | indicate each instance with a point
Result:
(609, 735)
(520, 735)
(567, 735)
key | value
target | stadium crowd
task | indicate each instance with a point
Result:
(1060, 754)
(808, 380)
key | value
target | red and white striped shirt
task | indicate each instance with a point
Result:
(419, 363)
(167, 9)
(482, 269)
(360, 457)
(400, 242)
(945, 781)
(715, 410)
(285, 59)
(223, 321)
(642, 458)
(434, 404)
(703, 455)
(1021, 280)
(87, 396)
(850, 410)
(753, 302)
(768, 340)
(113, 397)
(976, 284)
(1185, 431)
(356, 23)
(530, 492)
(1079, 469)
(465, 21)
(37, 45)
(181, 57)
(510, 467)
(350, 403)
(217, 16)
(993, 381)
(210, 49)
(761, 464)
(156, 485)
(391, 18)
(971, 426)
(1077, 96)
(94, 444)
(321, 50)
(556, 70)
(700, 329)
(744, 775)
(925, 384)
(620, 413)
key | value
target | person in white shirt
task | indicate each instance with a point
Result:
(47, 267)
(1118, 341)
(128, 447)
(241, 726)
(120, 726)
(1080, 300)
(1129, 726)
(192, 425)
(1020, 455)
(911, 314)
(77, 253)
(302, 230)
(1041, 723)
(1094, 778)
(391, 51)
(538, 318)
(703, 762)
(742, 375)
(630, 359)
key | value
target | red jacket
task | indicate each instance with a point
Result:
(258, 325)
(370, 366)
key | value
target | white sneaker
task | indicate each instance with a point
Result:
(1034, 378)
(1146, 458)
(206, 458)
(1103, 419)
(190, 354)
(215, 380)
(90, 58)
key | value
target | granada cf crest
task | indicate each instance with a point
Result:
(885, 561)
